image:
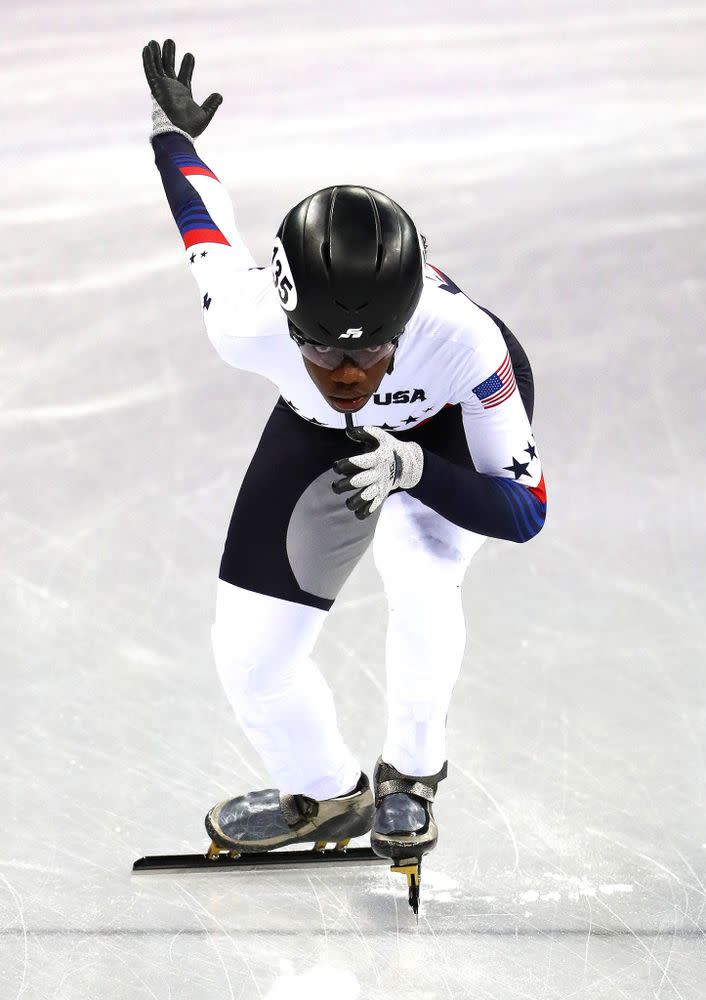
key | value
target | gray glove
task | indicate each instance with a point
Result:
(174, 108)
(386, 464)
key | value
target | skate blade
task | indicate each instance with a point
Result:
(250, 861)
(412, 869)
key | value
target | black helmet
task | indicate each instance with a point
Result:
(348, 265)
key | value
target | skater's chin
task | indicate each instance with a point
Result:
(345, 404)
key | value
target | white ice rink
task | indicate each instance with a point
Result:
(554, 154)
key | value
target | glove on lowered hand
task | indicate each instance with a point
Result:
(385, 464)
(174, 108)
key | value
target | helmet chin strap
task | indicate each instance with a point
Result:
(391, 366)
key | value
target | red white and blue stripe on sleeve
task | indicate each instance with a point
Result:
(527, 506)
(489, 505)
(177, 160)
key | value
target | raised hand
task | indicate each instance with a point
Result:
(173, 93)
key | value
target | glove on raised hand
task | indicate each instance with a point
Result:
(174, 108)
(386, 464)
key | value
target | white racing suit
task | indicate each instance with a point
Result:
(461, 386)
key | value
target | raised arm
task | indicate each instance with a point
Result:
(238, 302)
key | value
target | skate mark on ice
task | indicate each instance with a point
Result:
(27, 866)
(574, 889)
(514, 931)
(648, 951)
(117, 953)
(443, 960)
(113, 277)
(320, 981)
(694, 873)
(345, 912)
(645, 857)
(610, 890)
(199, 906)
(17, 900)
(150, 392)
(318, 903)
(355, 662)
(586, 950)
(479, 785)
(259, 777)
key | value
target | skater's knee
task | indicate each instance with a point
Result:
(420, 564)
(246, 665)
(253, 632)
(419, 581)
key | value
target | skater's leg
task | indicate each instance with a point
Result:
(262, 648)
(291, 545)
(422, 559)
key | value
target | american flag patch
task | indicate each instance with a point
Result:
(498, 387)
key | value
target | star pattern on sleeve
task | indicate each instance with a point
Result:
(518, 468)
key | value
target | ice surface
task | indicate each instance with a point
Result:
(553, 153)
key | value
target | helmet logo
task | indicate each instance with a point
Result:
(282, 277)
(352, 333)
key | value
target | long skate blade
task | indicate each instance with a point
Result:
(260, 859)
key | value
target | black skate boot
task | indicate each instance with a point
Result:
(404, 829)
(265, 820)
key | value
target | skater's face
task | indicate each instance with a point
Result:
(348, 387)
